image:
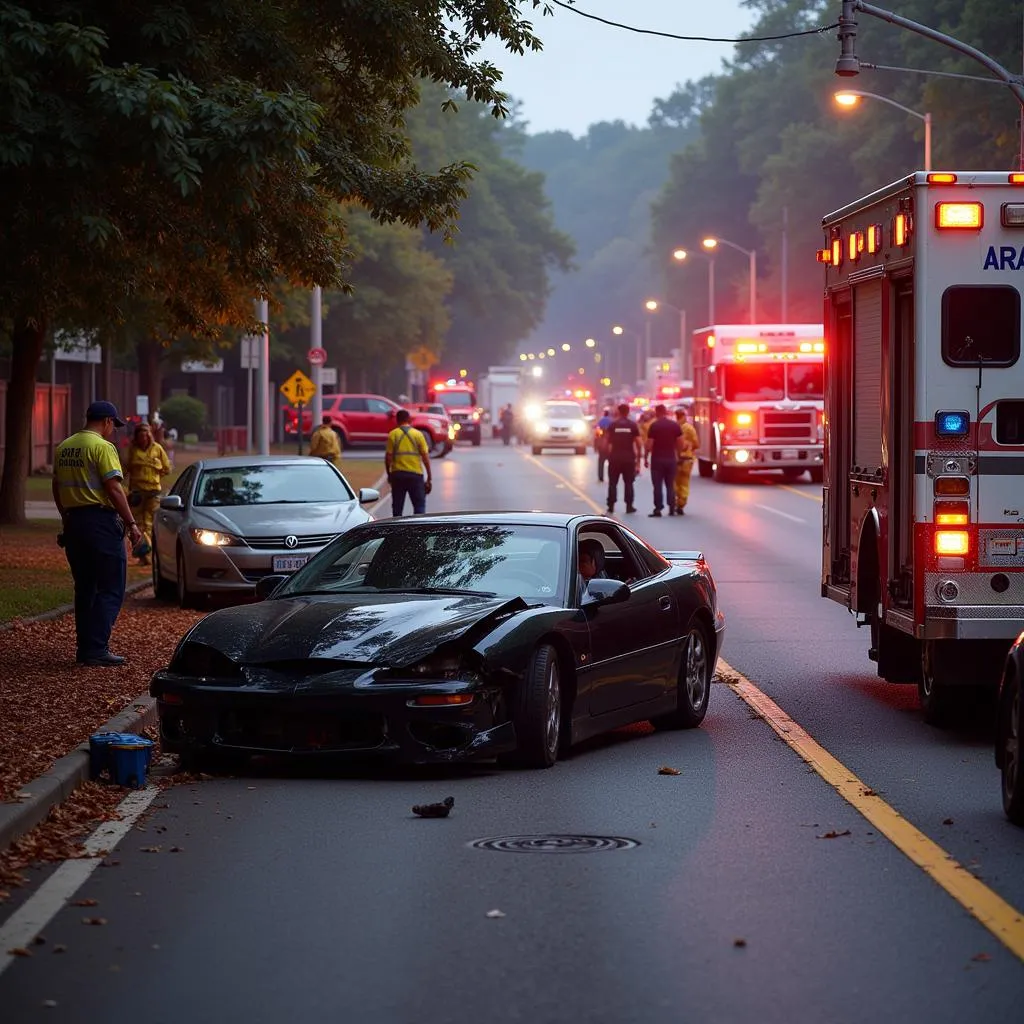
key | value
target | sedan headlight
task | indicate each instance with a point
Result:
(578, 428)
(540, 427)
(436, 668)
(451, 433)
(213, 538)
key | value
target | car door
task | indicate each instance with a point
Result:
(354, 410)
(167, 522)
(634, 643)
(380, 419)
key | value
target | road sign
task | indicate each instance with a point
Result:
(328, 376)
(250, 352)
(317, 356)
(422, 358)
(202, 366)
(298, 389)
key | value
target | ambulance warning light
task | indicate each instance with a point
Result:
(1012, 215)
(970, 216)
(952, 423)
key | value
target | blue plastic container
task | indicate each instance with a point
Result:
(99, 752)
(129, 760)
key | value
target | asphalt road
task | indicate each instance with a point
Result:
(292, 894)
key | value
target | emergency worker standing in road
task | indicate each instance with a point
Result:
(508, 419)
(662, 456)
(624, 454)
(145, 465)
(324, 443)
(95, 514)
(601, 443)
(689, 443)
(405, 459)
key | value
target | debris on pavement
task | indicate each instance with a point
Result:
(440, 810)
(739, 943)
(835, 835)
(666, 770)
(495, 913)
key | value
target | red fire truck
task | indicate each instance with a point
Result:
(758, 399)
(459, 400)
(924, 447)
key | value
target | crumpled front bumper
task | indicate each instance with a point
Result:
(358, 722)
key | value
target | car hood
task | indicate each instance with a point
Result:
(280, 520)
(366, 629)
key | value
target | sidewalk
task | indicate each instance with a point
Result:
(41, 510)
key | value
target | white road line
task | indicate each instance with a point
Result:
(785, 515)
(37, 912)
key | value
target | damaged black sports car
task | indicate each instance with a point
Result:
(448, 638)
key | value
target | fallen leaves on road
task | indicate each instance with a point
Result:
(94, 920)
(947, 821)
(490, 913)
(666, 770)
(19, 951)
(48, 705)
(85, 903)
(981, 958)
(739, 943)
(59, 836)
(150, 849)
(438, 810)
(835, 835)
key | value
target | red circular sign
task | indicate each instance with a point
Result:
(317, 356)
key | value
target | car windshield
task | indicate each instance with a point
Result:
(458, 399)
(290, 483)
(755, 382)
(478, 558)
(433, 410)
(563, 411)
(805, 381)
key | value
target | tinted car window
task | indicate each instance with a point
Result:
(290, 484)
(563, 411)
(184, 483)
(510, 561)
(981, 324)
(376, 405)
(1010, 422)
(353, 405)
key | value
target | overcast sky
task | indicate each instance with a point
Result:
(589, 72)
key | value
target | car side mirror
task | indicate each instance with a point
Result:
(368, 494)
(172, 503)
(267, 585)
(605, 592)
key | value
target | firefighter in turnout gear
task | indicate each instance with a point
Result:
(324, 443)
(688, 445)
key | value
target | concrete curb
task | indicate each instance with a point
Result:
(67, 774)
(64, 609)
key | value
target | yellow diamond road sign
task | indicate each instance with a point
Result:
(298, 389)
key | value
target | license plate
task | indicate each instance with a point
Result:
(289, 563)
(1002, 546)
(790, 454)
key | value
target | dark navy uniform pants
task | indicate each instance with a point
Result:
(405, 483)
(94, 543)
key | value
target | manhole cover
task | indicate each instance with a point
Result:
(554, 844)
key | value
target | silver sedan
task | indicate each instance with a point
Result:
(228, 522)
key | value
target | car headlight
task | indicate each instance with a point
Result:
(213, 538)
(451, 433)
(531, 412)
(437, 668)
(476, 416)
(456, 426)
(578, 428)
(198, 659)
(540, 427)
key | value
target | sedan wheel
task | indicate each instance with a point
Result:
(163, 589)
(1009, 739)
(186, 597)
(538, 718)
(694, 685)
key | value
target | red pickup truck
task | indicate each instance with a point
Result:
(366, 420)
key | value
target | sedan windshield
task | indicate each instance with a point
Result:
(268, 484)
(478, 558)
(563, 411)
(458, 399)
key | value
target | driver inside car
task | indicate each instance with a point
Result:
(591, 563)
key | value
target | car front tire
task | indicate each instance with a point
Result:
(186, 598)
(1010, 726)
(694, 686)
(538, 714)
(163, 589)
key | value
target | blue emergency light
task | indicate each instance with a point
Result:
(952, 423)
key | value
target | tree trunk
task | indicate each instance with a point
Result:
(149, 354)
(27, 340)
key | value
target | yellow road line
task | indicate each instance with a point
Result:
(563, 481)
(803, 494)
(1004, 921)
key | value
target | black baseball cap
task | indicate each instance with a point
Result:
(103, 411)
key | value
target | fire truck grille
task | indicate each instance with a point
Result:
(782, 427)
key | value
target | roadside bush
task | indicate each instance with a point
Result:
(185, 414)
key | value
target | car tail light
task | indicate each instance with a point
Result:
(952, 542)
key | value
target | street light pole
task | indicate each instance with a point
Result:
(753, 286)
(928, 140)
(850, 98)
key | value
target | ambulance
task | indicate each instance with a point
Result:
(758, 399)
(923, 517)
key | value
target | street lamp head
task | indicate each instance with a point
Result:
(679, 254)
(537, 371)
(522, 357)
(651, 304)
(590, 343)
(846, 98)
(531, 355)
(551, 351)
(566, 346)
(541, 355)
(709, 243)
(616, 329)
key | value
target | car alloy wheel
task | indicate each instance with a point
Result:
(186, 597)
(694, 686)
(537, 713)
(1013, 769)
(696, 680)
(554, 703)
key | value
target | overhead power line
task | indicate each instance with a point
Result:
(692, 39)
